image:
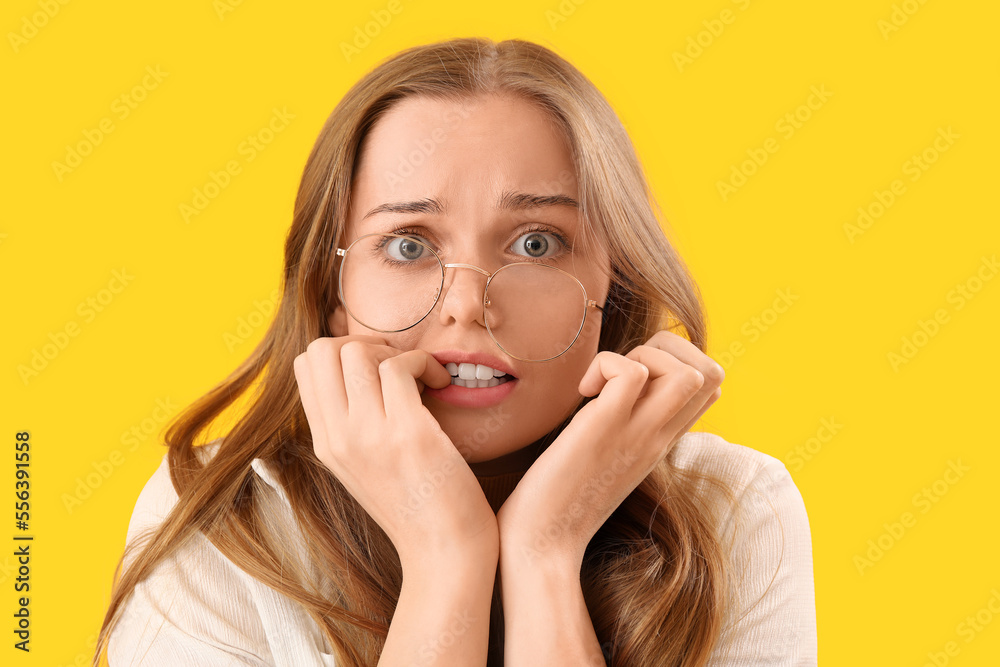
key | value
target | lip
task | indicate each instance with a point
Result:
(458, 357)
(464, 397)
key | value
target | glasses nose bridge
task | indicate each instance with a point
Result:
(468, 266)
(460, 265)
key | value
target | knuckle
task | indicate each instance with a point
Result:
(317, 344)
(663, 335)
(692, 379)
(639, 370)
(714, 373)
(300, 366)
(389, 364)
(353, 348)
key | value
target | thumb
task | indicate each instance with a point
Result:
(593, 380)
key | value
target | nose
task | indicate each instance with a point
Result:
(462, 298)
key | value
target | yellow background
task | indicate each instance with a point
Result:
(162, 339)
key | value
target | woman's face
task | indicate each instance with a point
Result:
(466, 157)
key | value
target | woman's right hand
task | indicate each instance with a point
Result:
(369, 427)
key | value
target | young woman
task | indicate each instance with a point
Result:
(467, 438)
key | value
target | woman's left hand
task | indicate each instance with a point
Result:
(648, 399)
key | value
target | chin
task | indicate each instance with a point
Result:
(475, 439)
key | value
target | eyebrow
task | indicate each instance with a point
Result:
(510, 200)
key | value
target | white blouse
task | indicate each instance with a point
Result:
(198, 608)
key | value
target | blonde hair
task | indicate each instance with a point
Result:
(654, 576)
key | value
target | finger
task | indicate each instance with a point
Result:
(672, 386)
(321, 361)
(694, 420)
(688, 416)
(308, 397)
(686, 351)
(400, 373)
(618, 380)
(360, 361)
(327, 372)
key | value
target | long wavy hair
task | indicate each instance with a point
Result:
(655, 576)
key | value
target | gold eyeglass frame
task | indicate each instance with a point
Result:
(587, 303)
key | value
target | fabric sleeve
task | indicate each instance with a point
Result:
(192, 609)
(772, 620)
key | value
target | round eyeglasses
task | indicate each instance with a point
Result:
(391, 282)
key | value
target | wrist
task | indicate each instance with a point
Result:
(548, 548)
(543, 556)
(460, 561)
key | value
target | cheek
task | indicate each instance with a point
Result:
(577, 359)
(559, 379)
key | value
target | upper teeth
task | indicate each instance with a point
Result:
(472, 371)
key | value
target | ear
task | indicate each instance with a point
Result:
(338, 321)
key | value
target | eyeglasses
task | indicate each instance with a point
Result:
(533, 311)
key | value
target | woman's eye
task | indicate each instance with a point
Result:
(536, 244)
(405, 249)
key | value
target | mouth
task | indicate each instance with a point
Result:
(477, 376)
(475, 370)
(478, 379)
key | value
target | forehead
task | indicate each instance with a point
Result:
(465, 153)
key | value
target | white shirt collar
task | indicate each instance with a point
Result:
(265, 472)
(262, 468)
